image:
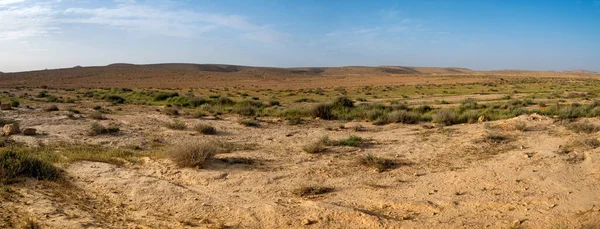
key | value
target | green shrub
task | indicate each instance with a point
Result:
(52, 99)
(15, 164)
(353, 141)
(15, 103)
(470, 116)
(343, 101)
(161, 96)
(323, 111)
(115, 99)
(446, 117)
(246, 110)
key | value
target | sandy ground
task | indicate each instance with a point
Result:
(449, 177)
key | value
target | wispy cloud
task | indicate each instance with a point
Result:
(30, 19)
(20, 20)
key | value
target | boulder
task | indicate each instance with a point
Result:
(10, 129)
(5, 106)
(29, 131)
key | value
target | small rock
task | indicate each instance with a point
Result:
(5, 106)
(9, 129)
(29, 131)
(307, 222)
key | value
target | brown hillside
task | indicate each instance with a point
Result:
(220, 75)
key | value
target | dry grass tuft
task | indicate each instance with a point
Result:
(195, 154)
(380, 164)
(205, 129)
(176, 125)
(315, 147)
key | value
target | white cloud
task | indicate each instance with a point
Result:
(31, 19)
(21, 20)
(8, 2)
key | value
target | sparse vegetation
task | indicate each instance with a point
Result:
(314, 147)
(249, 123)
(176, 125)
(205, 129)
(99, 129)
(584, 127)
(377, 163)
(96, 115)
(194, 154)
(14, 164)
(51, 108)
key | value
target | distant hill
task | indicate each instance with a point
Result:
(184, 75)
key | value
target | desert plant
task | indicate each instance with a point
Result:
(176, 125)
(205, 129)
(115, 99)
(51, 108)
(98, 129)
(323, 111)
(171, 111)
(585, 127)
(193, 154)
(521, 126)
(249, 122)
(15, 164)
(353, 141)
(446, 117)
(15, 103)
(592, 142)
(96, 115)
(377, 163)
(314, 147)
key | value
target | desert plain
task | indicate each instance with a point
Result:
(224, 146)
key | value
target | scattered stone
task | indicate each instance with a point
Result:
(29, 131)
(5, 107)
(10, 129)
(307, 222)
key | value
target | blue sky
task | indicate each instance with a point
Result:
(503, 34)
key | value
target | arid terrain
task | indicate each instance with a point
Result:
(223, 146)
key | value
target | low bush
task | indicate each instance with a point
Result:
(194, 154)
(51, 108)
(585, 127)
(176, 125)
(14, 164)
(114, 99)
(315, 147)
(99, 129)
(205, 129)
(377, 163)
(249, 123)
(96, 115)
